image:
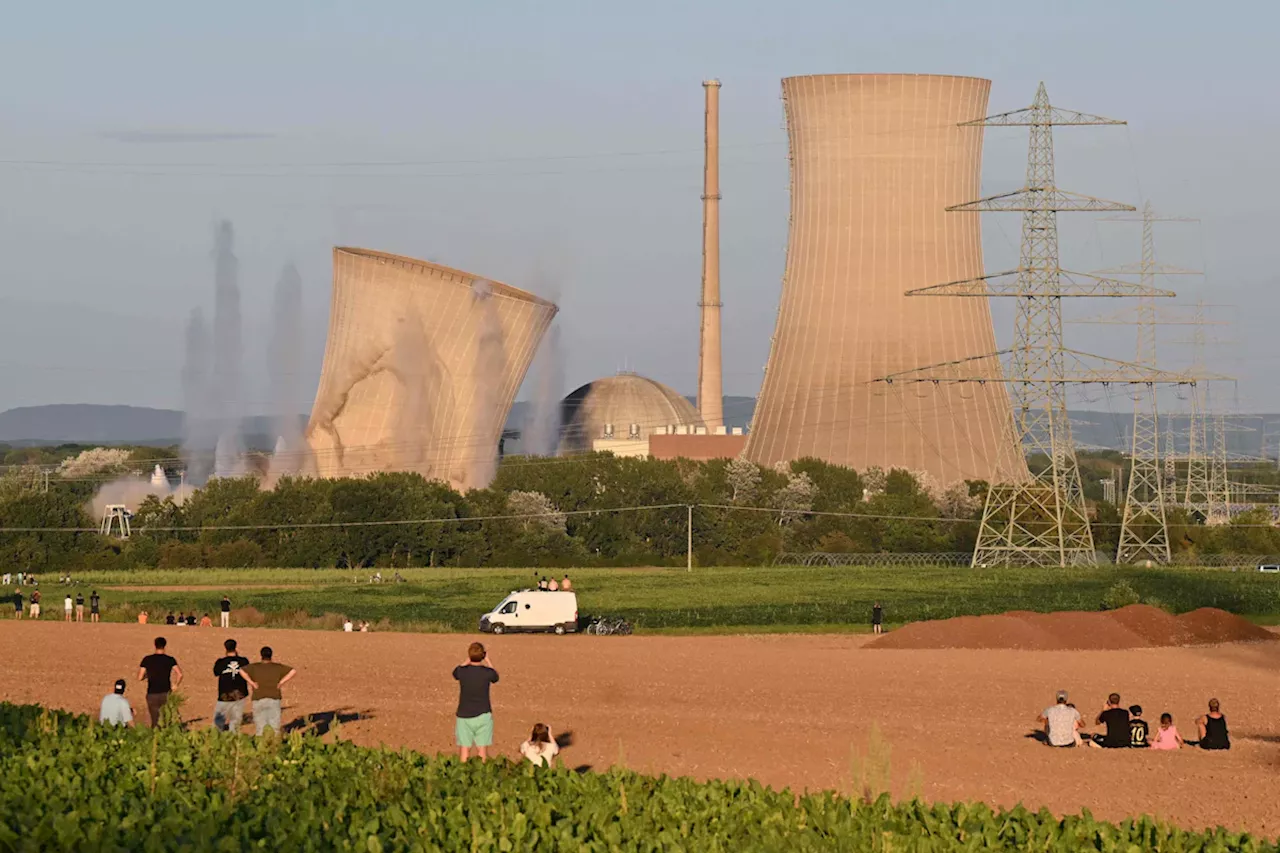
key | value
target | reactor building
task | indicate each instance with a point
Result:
(420, 370)
(876, 159)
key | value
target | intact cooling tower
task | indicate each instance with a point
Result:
(420, 370)
(875, 161)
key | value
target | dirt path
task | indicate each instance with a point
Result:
(785, 710)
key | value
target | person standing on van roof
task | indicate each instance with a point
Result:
(474, 727)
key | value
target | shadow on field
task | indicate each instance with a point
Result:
(1037, 736)
(320, 723)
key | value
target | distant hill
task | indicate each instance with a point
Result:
(92, 424)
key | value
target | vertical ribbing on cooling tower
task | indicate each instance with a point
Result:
(875, 161)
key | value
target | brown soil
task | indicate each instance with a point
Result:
(1135, 627)
(787, 710)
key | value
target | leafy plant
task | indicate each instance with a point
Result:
(1121, 594)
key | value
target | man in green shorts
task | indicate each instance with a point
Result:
(474, 726)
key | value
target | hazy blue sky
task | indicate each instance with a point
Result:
(557, 146)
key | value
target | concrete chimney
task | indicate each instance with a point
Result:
(710, 377)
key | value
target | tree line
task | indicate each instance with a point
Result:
(551, 512)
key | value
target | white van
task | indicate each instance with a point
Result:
(533, 610)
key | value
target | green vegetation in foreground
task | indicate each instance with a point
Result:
(708, 599)
(68, 784)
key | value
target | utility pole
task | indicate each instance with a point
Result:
(1041, 520)
(689, 546)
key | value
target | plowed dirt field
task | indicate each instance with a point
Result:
(787, 710)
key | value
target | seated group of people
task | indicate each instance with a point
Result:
(1125, 728)
(189, 619)
(551, 585)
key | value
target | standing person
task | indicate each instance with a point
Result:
(474, 726)
(66, 607)
(266, 677)
(7, 579)
(1213, 728)
(877, 618)
(17, 603)
(1061, 722)
(158, 670)
(35, 604)
(79, 606)
(1167, 736)
(1116, 719)
(115, 709)
(540, 748)
(95, 607)
(226, 612)
(228, 711)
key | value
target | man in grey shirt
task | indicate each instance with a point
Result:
(1061, 722)
(116, 710)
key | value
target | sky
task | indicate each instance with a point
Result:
(557, 146)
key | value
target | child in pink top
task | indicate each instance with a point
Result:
(1167, 736)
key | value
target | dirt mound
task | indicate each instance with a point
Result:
(1134, 627)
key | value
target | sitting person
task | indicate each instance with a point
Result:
(142, 617)
(566, 585)
(1061, 722)
(540, 748)
(205, 621)
(553, 586)
(1138, 729)
(1116, 719)
(1167, 736)
(1213, 728)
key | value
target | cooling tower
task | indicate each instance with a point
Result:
(875, 161)
(420, 370)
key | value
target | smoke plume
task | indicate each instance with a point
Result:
(284, 372)
(227, 379)
(541, 435)
(199, 433)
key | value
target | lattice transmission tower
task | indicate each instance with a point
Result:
(1144, 526)
(1041, 519)
(1207, 490)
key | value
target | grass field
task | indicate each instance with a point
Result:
(710, 600)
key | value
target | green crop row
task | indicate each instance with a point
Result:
(67, 784)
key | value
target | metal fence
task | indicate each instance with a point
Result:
(819, 558)
(962, 560)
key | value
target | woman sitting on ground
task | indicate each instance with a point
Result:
(1213, 728)
(540, 748)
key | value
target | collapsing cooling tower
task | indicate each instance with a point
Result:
(420, 370)
(875, 161)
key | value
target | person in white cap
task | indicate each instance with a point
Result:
(1061, 722)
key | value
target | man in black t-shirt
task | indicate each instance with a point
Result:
(226, 612)
(1116, 719)
(877, 618)
(228, 711)
(17, 604)
(474, 726)
(95, 602)
(158, 670)
(79, 606)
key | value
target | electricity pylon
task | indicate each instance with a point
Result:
(1205, 492)
(1144, 527)
(1218, 505)
(1042, 519)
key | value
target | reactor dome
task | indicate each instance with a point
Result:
(627, 402)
